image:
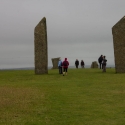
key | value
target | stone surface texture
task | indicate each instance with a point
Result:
(55, 62)
(118, 32)
(41, 48)
(94, 64)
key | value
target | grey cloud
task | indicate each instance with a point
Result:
(76, 29)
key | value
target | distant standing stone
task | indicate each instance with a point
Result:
(94, 64)
(55, 62)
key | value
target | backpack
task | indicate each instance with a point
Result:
(65, 63)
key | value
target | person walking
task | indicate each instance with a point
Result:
(82, 64)
(104, 64)
(65, 65)
(100, 61)
(60, 66)
(77, 63)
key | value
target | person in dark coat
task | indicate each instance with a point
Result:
(82, 64)
(77, 63)
(100, 61)
(65, 65)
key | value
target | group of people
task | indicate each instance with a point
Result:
(77, 63)
(102, 62)
(63, 66)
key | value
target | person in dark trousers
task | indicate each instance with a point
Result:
(104, 64)
(60, 66)
(82, 64)
(100, 61)
(77, 63)
(65, 65)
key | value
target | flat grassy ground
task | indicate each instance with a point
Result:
(83, 97)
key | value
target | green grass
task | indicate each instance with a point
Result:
(83, 97)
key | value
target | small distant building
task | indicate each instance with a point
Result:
(118, 32)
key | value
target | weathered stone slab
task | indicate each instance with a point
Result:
(94, 64)
(118, 31)
(41, 48)
(55, 62)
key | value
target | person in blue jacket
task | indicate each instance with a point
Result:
(60, 66)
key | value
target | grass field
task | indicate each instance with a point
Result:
(83, 97)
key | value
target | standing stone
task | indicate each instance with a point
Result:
(41, 52)
(55, 62)
(94, 64)
(118, 31)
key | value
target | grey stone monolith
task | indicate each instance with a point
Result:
(118, 32)
(94, 64)
(41, 48)
(55, 62)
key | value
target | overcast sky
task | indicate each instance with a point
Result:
(76, 29)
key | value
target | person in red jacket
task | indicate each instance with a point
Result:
(65, 65)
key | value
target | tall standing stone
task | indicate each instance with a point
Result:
(41, 48)
(118, 31)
